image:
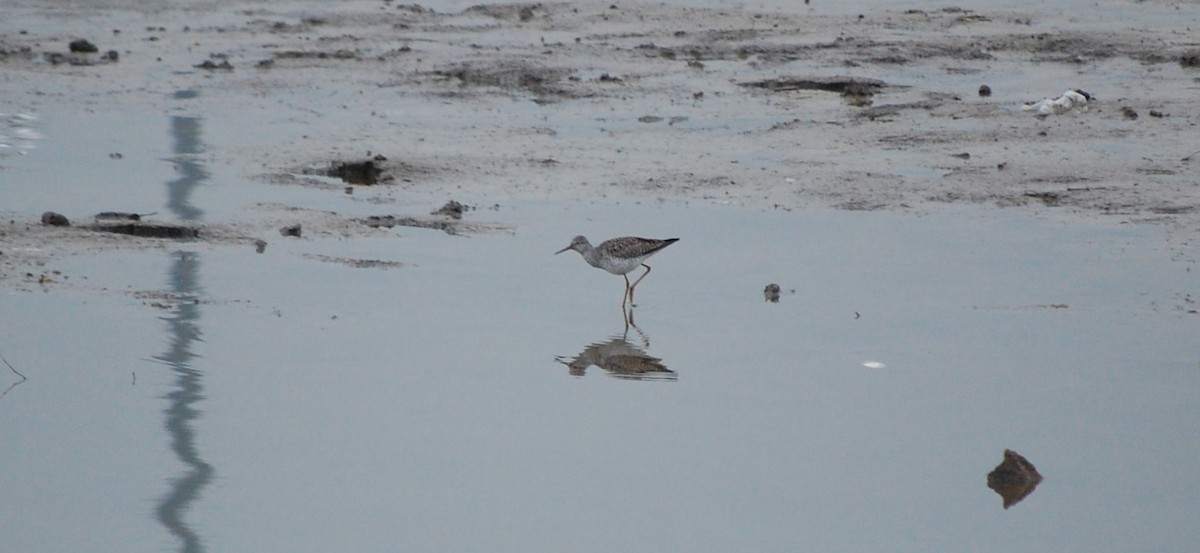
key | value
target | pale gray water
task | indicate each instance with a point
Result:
(282, 403)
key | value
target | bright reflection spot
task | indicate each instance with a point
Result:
(874, 365)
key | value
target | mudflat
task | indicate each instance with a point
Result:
(789, 106)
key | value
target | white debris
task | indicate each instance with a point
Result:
(1069, 100)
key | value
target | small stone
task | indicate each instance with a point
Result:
(210, 65)
(53, 219)
(83, 47)
(1014, 479)
(985, 90)
(771, 292)
(452, 209)
(291, 230)
(260, 245)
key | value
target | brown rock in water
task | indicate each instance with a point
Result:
(1014, 479)
(771, 293)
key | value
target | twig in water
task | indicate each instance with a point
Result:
(11, 368)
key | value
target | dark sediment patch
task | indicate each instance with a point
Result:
(362, 172)
(841, 85)
(148, 230)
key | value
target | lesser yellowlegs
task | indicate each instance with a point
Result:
(619, 256)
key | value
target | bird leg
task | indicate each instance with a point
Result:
(627, 296)
(635, 283)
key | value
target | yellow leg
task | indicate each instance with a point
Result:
(626, 296)
(635, 283)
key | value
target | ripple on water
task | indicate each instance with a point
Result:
(18, 134)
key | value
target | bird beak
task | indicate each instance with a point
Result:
(562, 250)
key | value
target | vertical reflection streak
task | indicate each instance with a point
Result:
(181, 411)
(184, 330)
(185, 134)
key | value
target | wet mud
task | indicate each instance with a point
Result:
(787, 107)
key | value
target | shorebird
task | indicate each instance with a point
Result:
(619, 256)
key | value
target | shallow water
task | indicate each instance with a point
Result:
(199, 396)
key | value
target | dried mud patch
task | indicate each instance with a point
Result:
(30, 250)
(317, 224)
(449, 225)
(336, 174)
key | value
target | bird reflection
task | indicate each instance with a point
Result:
(620, 358)
(1014, 479)
(14, 384)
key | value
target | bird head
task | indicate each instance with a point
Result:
(579, 244)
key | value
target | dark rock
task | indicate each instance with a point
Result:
(452, 209)
(291, 230)
(83, 47)
(1014, 479)
(210, 65)
(771, 293)
(55, 219)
